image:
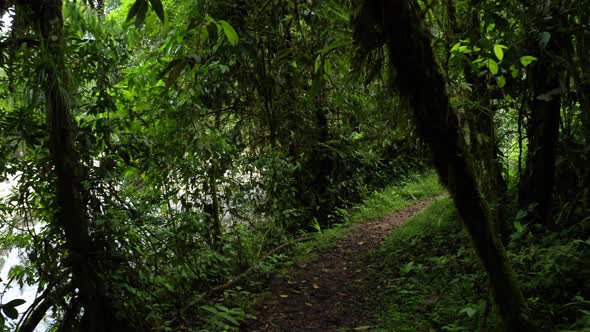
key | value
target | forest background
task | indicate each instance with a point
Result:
(157, 150)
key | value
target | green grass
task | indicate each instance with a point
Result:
(397, 197)
(377, 205)
(430, 280)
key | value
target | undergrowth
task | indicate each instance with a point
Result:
(227, 310)
(431, 279)
(246, 255)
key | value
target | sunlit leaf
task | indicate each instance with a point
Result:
(527, 60)
(493, 66)
(230, 33)
(499, 51)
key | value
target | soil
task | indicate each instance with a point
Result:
(334, 291)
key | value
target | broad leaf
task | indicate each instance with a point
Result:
(527, 60)
(493, 66)
(499, 51)
(230, 33)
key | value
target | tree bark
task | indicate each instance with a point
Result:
(399, 25)
(480, 119)
(71, 211)
(538, 181)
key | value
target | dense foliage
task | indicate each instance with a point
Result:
(432, 281)
(155, 151)
(194, 141)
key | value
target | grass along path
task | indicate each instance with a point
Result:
(331, 291)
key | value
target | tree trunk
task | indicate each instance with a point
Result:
(480, 118)
(538, 181)
(71, 209)
(399, 25)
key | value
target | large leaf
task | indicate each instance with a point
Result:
(230, 33)
(499, 51)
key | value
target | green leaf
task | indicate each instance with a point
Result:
(340, 13)
(527, 60)
(521, 214)
(493, 66)
(328, 68)
(501, 81)
(230, 33)
(318, 63)
(204, 34)
(159, 9)
(470, 312)
(514, 71)
(228, 318)
(334, 45)
(15, 303)
(499, 51)
(10, 312)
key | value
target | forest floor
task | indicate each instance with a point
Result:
(334, 291)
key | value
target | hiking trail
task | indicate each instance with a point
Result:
(333, 291)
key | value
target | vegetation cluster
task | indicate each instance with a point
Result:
(163, 157)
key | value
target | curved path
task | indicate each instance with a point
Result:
(331, 292)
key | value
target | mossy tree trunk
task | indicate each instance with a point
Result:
(398, 25)
(70, 204)
(480, 119)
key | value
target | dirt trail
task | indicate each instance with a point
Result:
(331, 292)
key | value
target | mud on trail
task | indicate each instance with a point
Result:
(333, 291)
